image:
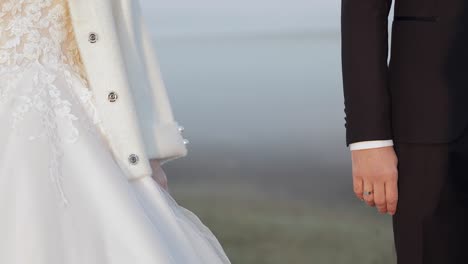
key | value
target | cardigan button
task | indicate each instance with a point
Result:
(93, 37)
(133, 159)
(112, 97)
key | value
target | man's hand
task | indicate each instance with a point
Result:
(375, 177)
(158, 174)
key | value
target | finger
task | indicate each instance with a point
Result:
(358, 188)
(164, 183)
(369, 193)
(379, 197)
(391, 193)
(166, 186)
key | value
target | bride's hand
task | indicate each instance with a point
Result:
(158, 174)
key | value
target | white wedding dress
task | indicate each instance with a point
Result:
(63, 198)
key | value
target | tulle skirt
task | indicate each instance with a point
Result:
(64, 199)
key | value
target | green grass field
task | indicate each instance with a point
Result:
(259, 229)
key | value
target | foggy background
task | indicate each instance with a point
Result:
(257, 85)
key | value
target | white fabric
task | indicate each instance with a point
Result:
(370, 144)
(122, 60)
(64, 199)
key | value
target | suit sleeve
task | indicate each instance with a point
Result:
(166, 142)
(364, 34)
(162, 134)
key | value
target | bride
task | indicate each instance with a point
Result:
(83, 110)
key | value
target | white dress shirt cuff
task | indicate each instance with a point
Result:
(371, 144)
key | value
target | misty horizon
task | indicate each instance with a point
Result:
(213, 17)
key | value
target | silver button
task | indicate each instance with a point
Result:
(133, 159)
(186, 141)
(181, 129)
(93, 37)
(112, 97)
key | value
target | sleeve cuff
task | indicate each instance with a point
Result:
(165, 142)
(370, 144)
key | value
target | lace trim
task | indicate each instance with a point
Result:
(37, 41)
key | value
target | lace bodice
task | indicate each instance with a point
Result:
(37, 30)
(42, 79)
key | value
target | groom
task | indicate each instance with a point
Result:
(407, 120)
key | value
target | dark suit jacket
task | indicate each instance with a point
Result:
(421, 96)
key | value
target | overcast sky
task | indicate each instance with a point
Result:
(246, 4)
(218, 16)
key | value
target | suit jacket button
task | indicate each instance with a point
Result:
(93, 37)
(133, 159)
(112, 97)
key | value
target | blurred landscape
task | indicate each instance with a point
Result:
(259, 93)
